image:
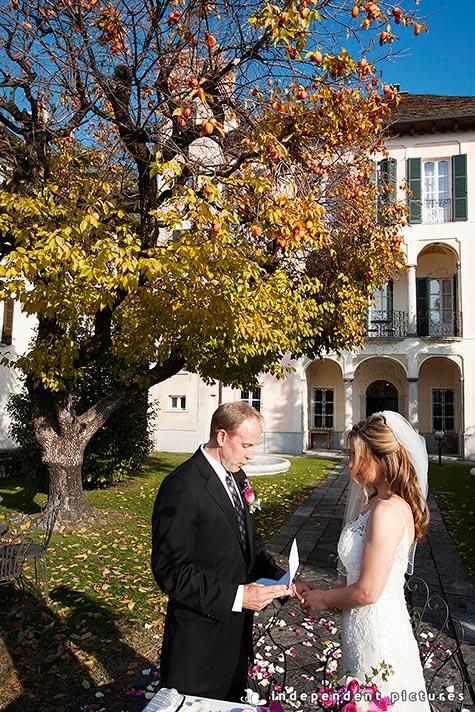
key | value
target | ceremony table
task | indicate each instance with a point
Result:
(205, 704)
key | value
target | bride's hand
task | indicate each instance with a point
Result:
(300, 588)
(311, 601)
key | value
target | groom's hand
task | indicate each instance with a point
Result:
(256, 596)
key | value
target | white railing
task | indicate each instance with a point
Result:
(437, 211)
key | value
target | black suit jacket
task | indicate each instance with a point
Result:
(199, 561)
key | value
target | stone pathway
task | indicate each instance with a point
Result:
(317, 524)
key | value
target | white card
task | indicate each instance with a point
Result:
(288, 577)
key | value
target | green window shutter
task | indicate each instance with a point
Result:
(457, 320)
(422, 306)
(387, 176)
(390, 288)
(374, 180)
(459, 187)
(415, 186)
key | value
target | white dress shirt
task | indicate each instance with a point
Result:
(221, 473)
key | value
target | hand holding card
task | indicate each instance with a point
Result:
(288, 577)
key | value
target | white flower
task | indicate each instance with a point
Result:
(252, 698)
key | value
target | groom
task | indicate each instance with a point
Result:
(207, 555)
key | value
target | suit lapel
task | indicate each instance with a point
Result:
(217, 492)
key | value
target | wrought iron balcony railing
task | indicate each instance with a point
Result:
(386, 324)
(443, 324)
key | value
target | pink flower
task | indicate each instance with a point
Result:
(372, 689)
(249, 495)
(350, 707)
(326, 696)
(353, 686)
(248, 492)
(275, 707)
(380, 705)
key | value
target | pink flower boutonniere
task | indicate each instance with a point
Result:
(250, 497)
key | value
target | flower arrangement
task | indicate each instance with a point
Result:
(250, 497)
(352, 697)
(349, 697)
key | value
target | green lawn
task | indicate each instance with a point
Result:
(105, 618)
(453, 488)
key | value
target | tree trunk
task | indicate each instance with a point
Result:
(62, 452)
(64, 462)
(62, 435)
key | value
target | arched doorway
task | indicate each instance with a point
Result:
(381, 395)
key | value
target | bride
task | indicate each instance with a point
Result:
(388, 459)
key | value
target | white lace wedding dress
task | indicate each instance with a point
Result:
(382, 631)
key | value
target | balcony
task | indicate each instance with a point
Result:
(436, 211)
(386, 324)
(443, 324)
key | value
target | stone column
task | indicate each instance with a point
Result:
(304, 408)
(348, 407)
(411, 301)
(462, 419)
(412, 405)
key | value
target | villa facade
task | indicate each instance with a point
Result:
(419, 354)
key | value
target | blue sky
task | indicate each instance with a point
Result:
(442, 61)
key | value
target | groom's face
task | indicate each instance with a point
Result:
(237, 448)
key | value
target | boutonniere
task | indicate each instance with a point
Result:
(250, 497)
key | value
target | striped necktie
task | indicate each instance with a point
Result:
(238, 506)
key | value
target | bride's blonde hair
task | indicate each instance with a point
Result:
(372, 437)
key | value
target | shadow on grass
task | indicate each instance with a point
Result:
(20, 493)
(58, 661)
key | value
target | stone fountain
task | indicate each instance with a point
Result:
(266, 465)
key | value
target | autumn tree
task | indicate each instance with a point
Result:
(187, 184)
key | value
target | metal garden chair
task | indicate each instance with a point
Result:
(12, 558)
(40, 531)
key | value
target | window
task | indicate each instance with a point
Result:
(443, 409)
(380, 312)
(437, 204)
(178, 402)
(441, 307)
(252, 397)
(323, 408)
(437, 189)
(436, 309)
(383, 299)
